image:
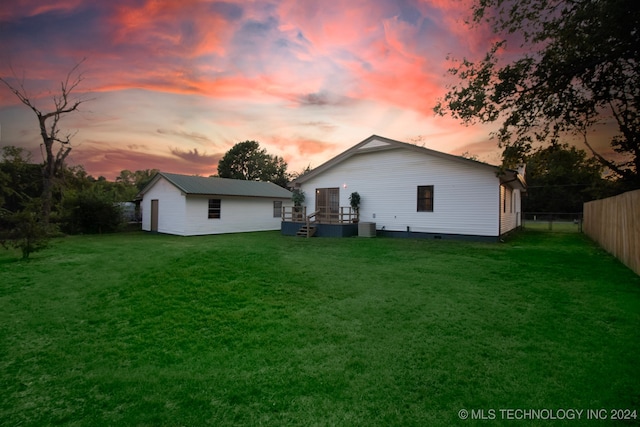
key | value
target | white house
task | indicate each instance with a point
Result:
(194, 205)
(407, 190)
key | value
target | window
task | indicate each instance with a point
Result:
(425, 198)
(214, 208)
(507, 199)
(277, 209)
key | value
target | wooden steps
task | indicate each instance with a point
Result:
(306, 231)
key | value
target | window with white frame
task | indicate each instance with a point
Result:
(277, 208)
(214, 208)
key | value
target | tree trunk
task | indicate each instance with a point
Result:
(53, 163)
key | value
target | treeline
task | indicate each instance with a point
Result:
(81, 203)
(561, 178)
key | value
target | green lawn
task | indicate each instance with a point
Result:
(262, 329)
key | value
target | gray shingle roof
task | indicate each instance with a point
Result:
(199, 185)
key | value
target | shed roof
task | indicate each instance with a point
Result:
(214, 186)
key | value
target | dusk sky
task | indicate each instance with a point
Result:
(173, 85)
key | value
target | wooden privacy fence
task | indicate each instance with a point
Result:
(615, 224)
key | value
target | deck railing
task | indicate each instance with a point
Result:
(294, 213)
(344, 215)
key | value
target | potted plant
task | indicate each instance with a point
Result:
(298, 199)
(354, 200)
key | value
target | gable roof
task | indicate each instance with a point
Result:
(214, 186)
(377, 143)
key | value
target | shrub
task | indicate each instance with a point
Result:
(24, 230)
(91, 212)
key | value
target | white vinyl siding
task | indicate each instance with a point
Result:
(188, 215)
(509, 209)
(466, 196)
(171, 214)
(237, 214)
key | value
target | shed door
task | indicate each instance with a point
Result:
(328, 204)
(154, 215)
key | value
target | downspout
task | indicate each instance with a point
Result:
(499, 211)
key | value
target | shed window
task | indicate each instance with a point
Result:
(507, 199)
(277, 208)
(214, 208)
(425, 198)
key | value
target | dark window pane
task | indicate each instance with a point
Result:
(214, 208)
(425, 198)
(277, 209)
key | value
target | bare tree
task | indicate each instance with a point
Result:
(57, 145)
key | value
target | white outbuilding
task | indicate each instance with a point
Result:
(194, 205)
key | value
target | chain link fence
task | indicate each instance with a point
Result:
(559, 222)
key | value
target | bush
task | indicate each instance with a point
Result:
(24, 230)
(91, 212)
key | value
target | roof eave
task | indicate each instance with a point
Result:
(514, 178)
(239, 195)
(150, 184)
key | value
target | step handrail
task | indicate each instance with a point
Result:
(308, 221)
(311, 215)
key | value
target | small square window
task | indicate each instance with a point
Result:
(277, 208)
(214, 208)
(425, 198)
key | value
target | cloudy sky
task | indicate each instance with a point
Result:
(174, 84)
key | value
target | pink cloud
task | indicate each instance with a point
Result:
(302, 146)
(306, 79)
(104, 159)
(182, 28)
(383, 56)
(35, 7)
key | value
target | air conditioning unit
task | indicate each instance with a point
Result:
(366, 229)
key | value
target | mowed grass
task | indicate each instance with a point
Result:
(262, 329)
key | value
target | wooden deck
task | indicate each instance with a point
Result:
(344, 215)
(297, 221)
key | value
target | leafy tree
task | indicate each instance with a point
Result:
(20, 180)
(560, 178)
(93, 205)
(138, 179)
(20, 187)
(247, 161)
(56, 146)
(306, 169)
(76, 178)
(470, 156)
(276, 171)
(91, 211)
(5, 187)
(24, 230)
(577, 68)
